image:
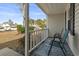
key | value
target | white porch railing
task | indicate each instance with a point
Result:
(36, 38)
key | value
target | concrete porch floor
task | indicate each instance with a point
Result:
(43, 49)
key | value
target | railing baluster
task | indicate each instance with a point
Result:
(43, 34)
(32, 39)
(38, 37)
(35, 38)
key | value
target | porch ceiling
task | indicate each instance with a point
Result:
(52, 8)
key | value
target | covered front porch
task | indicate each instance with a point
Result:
(38, 43)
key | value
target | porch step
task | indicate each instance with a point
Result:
(8, 52)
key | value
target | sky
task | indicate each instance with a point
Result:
(10, 11)
(13, 12)
(35, 12)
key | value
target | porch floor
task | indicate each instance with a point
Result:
(43, 49)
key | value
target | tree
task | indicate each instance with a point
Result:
(31, 21)
(10, 22)
(41, 23)
(31, 28)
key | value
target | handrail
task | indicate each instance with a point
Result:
(37, 30)
(36, 38)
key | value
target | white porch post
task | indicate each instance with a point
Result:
(26, 21)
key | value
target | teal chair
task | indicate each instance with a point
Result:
(63, 38)
(62, 41)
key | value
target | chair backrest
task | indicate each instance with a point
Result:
(62, 31)
(65, 35)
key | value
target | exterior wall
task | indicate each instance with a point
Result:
(77, 24)
(55, 24)
(73, 41)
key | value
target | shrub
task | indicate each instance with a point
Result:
(20, 29)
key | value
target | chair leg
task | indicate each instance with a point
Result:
(51, 46)
(62, 48)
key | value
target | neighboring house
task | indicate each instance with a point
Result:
(13, 27)
(36, 27)
(8, 26)
(2, 28)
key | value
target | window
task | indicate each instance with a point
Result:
(71, 21)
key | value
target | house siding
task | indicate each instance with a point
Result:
(77, 26)
(73, 41)
(77, 23)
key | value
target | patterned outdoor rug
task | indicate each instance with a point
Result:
(43, 49)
